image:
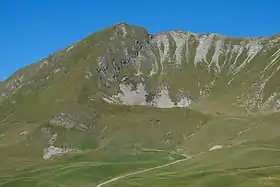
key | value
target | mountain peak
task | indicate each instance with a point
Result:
(123, 52)
(123, 24)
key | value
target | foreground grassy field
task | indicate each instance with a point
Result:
(81, 169)
(245, 165)
(176, 147)
(230, 167)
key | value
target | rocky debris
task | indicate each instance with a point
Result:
(63, 120)
(216, 147)
(70, 48)
(44, 64)
(110, 101)
(11, 87)
(278, 105)
(138, 95)
(116, 71)
(3, 96)
(53, 139)
(105, 77)
(52, 150)
(56, 71)
(102, 64)
(81, 127)
(23, 133)
(162, 99)
(15, 83)
(131, 97)
(67, 121)
(203, 47)
(122, 28)
(185, 101)
(150, 96)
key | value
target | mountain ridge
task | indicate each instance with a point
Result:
(209, 53)
(155, 34)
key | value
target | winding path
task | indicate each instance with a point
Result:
(142, 171)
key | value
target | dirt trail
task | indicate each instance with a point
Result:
(142, 171)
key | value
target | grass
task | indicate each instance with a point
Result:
(221, 168)
(122, 151)
(81, 168)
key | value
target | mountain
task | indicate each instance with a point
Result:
(122, 105)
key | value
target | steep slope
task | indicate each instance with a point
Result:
(125, 103)
(66, 77)
(239, 72)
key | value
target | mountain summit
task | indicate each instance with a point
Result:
(170, 69)
(122, 91)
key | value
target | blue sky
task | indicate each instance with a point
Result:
(33, 29)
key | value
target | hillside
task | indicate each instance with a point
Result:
(122, 105)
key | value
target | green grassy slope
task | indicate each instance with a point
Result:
(248, 157)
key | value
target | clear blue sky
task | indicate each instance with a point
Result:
(33, 29)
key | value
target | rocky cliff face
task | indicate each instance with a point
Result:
(126, 65)
(175, 69)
